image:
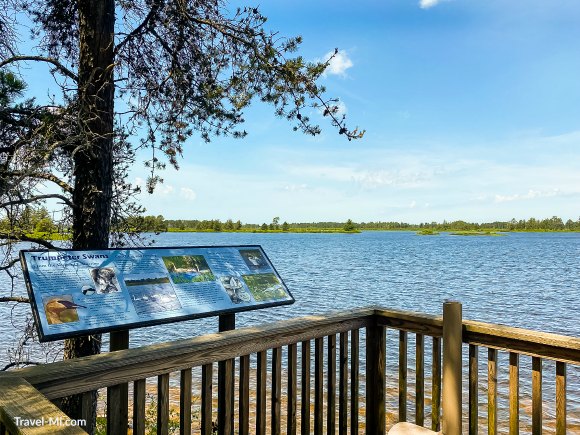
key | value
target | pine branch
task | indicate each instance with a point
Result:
(138, 30)
(63, 69)
(10, 264)
(43, 176)
(20, 363)
(17, 299)
(39, 198)
(25, 238)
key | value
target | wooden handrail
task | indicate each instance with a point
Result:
(410, 321)
(23, 410)
(84, 374)
(75, 376)
(528, 342)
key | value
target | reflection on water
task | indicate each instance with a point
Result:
(525, 280)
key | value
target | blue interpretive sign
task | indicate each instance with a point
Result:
(77, 293)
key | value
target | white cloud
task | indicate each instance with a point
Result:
(341, 108)
(368, 179)
(401, 178)
(295, 187)
(338, 64)
(426, 4)
(187, 193)
(532, 194)
(163, 190)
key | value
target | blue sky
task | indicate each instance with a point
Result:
(471, 110)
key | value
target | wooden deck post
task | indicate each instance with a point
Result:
(118, 395)
(375, 380)
(452, 341)
(227, 322)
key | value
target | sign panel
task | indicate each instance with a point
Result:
(77, 293)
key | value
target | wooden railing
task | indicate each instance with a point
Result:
(271, 385)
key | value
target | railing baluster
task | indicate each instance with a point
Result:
(354, 381)
(560, 398)
(305, 381)
(436, 386)
(185, 402)
(492, 391)
(514, 393)
(163, 404)
(226, 397)
(276, 390)
(403, 375)
(473, 385)
(115, 420)
(206, 399)
(292, 384)
(117, 395)
(261, 394)
(375, 380)
(331, 387)
(420, 380)
(244, 409)
(227, 322)
(318, 385)
(139, 407)
(536, 395)
(87, 413)
(343, 385)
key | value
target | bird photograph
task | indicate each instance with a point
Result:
(61, 309)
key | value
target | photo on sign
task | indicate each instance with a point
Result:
(151, 293)
(105, 280)
(253, 258)
(235, 289)
(61, 309)
(265, 287)
(185, 269)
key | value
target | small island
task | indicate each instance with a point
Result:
(427, 232)
(477, 233)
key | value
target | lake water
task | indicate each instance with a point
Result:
(529, 280)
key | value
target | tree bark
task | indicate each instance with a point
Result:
(93, 158)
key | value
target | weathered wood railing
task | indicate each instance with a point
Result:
(340, 393)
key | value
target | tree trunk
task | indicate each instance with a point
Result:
(93, 159)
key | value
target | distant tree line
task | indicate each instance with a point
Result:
(549, 224)
(32, 220)
(40, 221)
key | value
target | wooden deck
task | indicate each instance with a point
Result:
(307, 375)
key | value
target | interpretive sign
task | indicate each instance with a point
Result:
(77, 293)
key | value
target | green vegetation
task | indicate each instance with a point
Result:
(265, 287)
(151, 418)
(428, 228)
(38, 224)
(476, 233)
(188, 268)
(349, 227)
(427, 232)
